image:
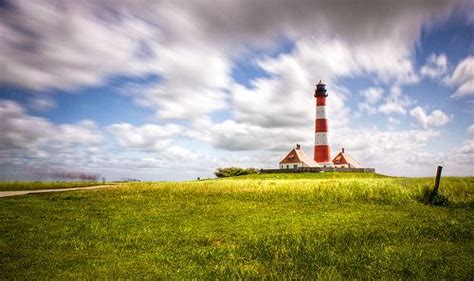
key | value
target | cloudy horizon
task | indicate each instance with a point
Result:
(172, 90)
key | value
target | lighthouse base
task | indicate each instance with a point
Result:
(325, 164)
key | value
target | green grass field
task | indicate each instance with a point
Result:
(328, 226)
(37, 185)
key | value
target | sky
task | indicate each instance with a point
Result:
(172, 90)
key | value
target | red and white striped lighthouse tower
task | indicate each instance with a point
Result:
(322, 154)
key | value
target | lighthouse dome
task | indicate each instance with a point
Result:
(320, 89)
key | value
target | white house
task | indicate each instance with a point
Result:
(344, 160)
(296, 158)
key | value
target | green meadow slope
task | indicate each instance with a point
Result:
(329, 226)
(37, 185)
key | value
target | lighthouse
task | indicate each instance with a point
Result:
(297, 161)
(322, 154)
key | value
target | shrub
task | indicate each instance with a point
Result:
(437, 199)
(233, 171)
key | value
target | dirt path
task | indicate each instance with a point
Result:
(23, 192)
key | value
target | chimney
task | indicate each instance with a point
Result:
(298, 147)
(343, 150)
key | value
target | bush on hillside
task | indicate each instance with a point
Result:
(436, 199)
(233, 171)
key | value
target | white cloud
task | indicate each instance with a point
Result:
(193, 83)
(437, 118)
(395, 102)
(153, 138)
(402, 152)
(393, 121)
(27, 132)
(463, 78)
(386, 62)
(27, 140)
(177, 152)
(146, 137)
(366, 107)
(372, 95)
(34, 148)
(460, 160)
(65, 45)
(435, 67)
(470, 129)
(467, 148)
(18, 129)
(375, 143)
(241, 136)
(83, 132)
(390, 152)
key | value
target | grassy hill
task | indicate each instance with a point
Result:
(326, 225)
(37, 185)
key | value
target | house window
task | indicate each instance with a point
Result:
(295, 166)
(287, 166)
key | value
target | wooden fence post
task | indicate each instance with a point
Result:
(436, 185)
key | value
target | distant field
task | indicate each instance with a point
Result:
(328, 226)
(36, 185)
